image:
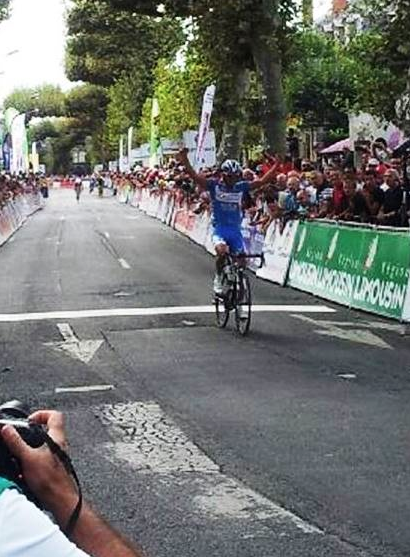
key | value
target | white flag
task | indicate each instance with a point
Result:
(204, 128)
(130, 134)
(121, 155)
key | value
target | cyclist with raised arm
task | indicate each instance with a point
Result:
(226, 194)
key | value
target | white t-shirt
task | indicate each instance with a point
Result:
(27, 532)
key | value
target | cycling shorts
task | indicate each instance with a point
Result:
(232, 237)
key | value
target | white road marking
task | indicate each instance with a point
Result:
(348, 376)
(391, 327)
(356, 335)
(83, 350)
(360, 336)
(85, 389)
(399, 328)
(66, 332)
(144, 312)
(152, 443)
(124, 263)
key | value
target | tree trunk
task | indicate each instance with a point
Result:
(269, 66)
(267, 56)
(234, 125)
(406, 108)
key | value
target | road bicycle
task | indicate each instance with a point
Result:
(237, 294)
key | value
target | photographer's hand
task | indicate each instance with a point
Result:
(54, 488)
(43, 472)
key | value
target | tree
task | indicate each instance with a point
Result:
(320, 84)
(86, 106)
(105, 44)
(179, 91)
(233, 44)
(118, 50)
(4, 9)
(46, 100)
(385, 47)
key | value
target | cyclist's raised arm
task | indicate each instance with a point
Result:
(266, 178)
(199, 179)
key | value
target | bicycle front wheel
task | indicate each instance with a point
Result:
(222, 310)
(243, 306)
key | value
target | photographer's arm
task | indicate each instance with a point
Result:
(48, 480)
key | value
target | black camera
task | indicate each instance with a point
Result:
(16, 414)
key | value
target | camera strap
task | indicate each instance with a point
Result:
(68, 465)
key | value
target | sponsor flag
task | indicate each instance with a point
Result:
(130, 135)
(155, 142)
(205, 125)
(121, 165)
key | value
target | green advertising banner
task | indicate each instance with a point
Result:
(362, 268)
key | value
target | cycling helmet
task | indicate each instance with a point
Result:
(231, 166)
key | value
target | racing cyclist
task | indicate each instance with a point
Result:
(226, 195)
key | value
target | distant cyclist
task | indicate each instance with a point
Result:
(100, 186)
(78, 187)
(227, 193)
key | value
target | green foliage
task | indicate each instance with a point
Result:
(42, 130)
(325, 80)
(119, 50)
(126, 100)
(105, 44)
(4, 9)
(385, 49)
(88, 104)
(233, 37)
(377, 83)
(320, 81)
(179, 91)
(47, 100)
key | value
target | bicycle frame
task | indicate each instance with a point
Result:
(238, 296)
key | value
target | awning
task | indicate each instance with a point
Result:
(337, 147)
(403, 149)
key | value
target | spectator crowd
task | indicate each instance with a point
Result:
(374, 192)
(11, 187)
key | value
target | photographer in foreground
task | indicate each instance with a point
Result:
(27, 531)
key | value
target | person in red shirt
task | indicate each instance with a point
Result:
(339, 196)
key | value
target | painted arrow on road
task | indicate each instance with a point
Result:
(333, 329)
(83, 350)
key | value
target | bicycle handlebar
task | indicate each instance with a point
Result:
(260, 256)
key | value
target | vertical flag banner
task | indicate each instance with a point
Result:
(129, 154)
(155, 139)
(207, 107)
(121, 155)
(19, 159)
(35, 159)
(9, 116)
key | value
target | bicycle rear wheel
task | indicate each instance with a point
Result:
(222, 311)
(243, 306)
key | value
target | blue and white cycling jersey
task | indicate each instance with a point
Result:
(227, 203)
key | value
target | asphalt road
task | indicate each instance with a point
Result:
(192, 441)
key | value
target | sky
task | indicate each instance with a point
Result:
(37, 30)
